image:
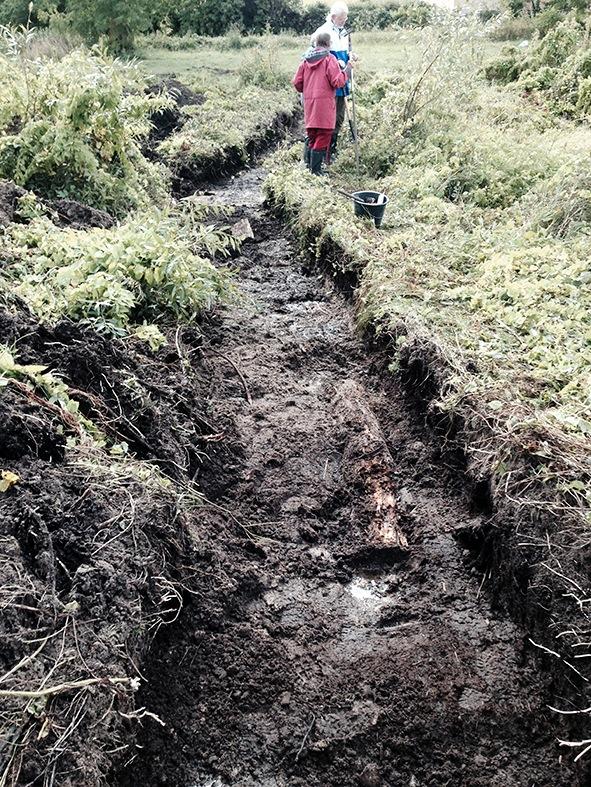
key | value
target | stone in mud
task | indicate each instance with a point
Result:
(406, 497)
(242, 230)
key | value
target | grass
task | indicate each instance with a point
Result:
(480, 251)
(227, 125)
(380, 51)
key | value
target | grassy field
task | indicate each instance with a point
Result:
(388, 51)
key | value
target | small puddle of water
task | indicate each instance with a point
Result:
(366, 589)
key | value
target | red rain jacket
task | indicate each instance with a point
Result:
(318, 80)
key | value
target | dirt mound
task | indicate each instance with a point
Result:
(130, 393)
(64, 212)
(71, 213)
(167, 121)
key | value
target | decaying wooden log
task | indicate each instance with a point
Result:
(368, 464)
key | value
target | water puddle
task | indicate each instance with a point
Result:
(371, 588)
(365, 590)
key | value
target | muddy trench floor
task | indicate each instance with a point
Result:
(342, 634)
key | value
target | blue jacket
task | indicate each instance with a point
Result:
(339, 46)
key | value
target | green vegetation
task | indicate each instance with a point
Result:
(219, 61)
(117, 21)
(232, 127)
(556, 71)
(76, 127)
(73, 127)
(118, 24)
(137, 272)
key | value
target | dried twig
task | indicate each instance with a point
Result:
(577, 744)
(236, 369)
(305, 738)
(68, 686)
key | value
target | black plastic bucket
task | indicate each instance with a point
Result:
(370, 204)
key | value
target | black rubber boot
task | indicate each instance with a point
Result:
(306, 153)
(317, 158)
(333, 147)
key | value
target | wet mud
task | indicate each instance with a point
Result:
(340, 631)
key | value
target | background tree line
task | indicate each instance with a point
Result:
(119, 21)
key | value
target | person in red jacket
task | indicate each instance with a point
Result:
(317, 78)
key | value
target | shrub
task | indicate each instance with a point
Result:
(261, 68)
(312, 17)
(412, 15)
(19, 12)
(73, 129)
(208, 17)
(217, 17)
(549, 18)
(274, 15)
(486, 14)
(141, 270)
(561, 205)
(49, 44)
(541, 79)
(560, 42)
(566, 93)
(118, 21)
(373, 14)
(557, 69)
(234, 39)
(505, 68)
(513, 29)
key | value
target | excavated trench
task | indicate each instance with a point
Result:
(342, 633)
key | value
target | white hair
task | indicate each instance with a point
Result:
(337, 9)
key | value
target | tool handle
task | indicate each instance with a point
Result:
(350, 196)
(354, 113)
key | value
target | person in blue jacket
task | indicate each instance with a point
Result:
(339, 46)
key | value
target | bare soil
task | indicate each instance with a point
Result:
(338, 630)
(91, 550)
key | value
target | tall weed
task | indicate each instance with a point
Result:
(73, 127)
(153, 265)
